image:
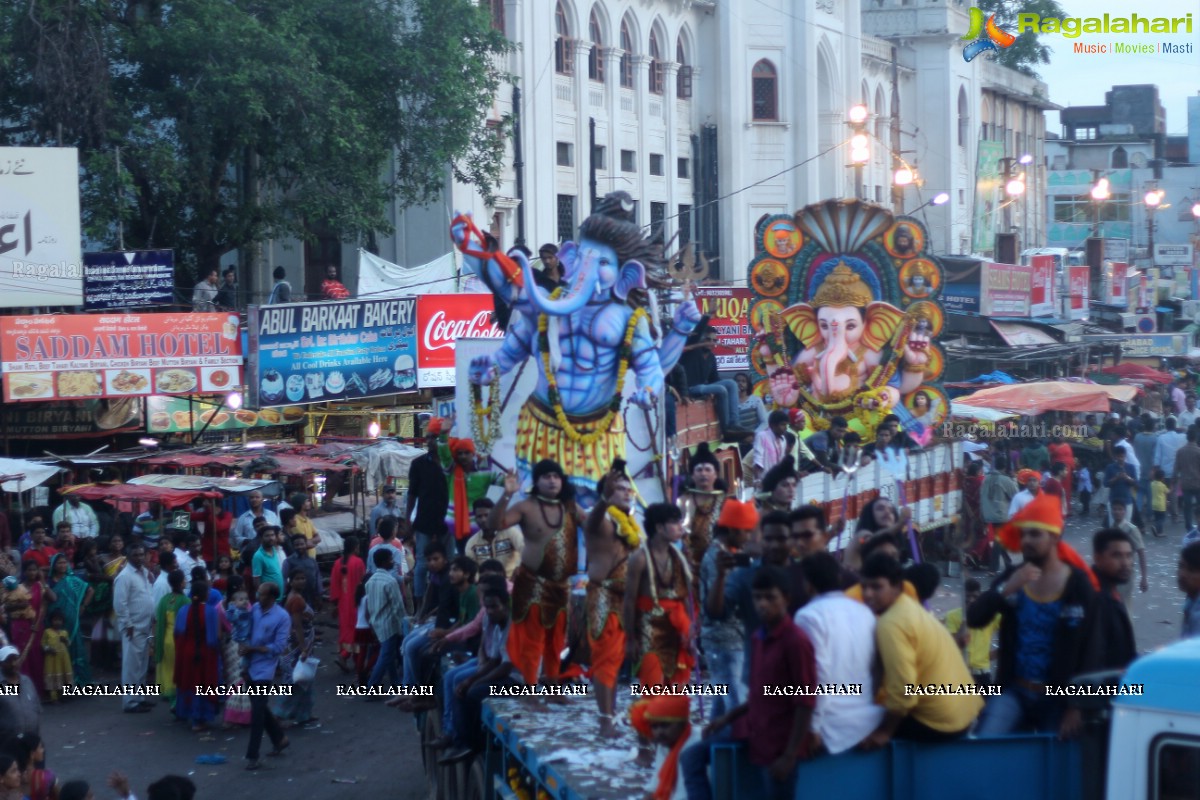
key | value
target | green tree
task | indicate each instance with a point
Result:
(239, 120)
(1028, 51)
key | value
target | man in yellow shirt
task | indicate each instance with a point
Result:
(303, 524)
(976, 641)
(928, 693)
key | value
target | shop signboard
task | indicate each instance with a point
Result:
(71, 419)
(728, 310)
(974, 286)
(1078, 281)
(39, 227)
(133, 279)
(331, 351)
(1143, 345)
(61, 357)
(442, 320)
(1116, 249)
(1006, 290)
(1173, 255)
(179, 415)
(1042, 295)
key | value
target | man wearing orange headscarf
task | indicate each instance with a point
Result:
(1048, 612)
(665, 721)
(466, 486)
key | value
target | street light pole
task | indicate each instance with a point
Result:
(1153, 199)
(860, 152)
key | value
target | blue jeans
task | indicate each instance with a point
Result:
(725, 396)
(414, 643)
(388, 651)
(470, 731)
(695, 760)
(450, 681)
(725, 666)
(1018, 710)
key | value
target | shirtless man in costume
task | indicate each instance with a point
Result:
(550, 521)
(700, 505)
(658, 608)
(612, 534)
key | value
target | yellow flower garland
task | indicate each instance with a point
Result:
(484, 436)
(627, 528)
(605, 423)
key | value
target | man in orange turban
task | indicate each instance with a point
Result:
(724, 640)
(466, 486)
(1048, 612)
(665, 721)
(1030, 482)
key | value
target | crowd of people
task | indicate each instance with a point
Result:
(219, 290)
(466, 585)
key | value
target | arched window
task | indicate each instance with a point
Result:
(595, 57)
(683, 78)
(765, 91)
(626, 56)
(964, 118)
(564, 53)
(1120, 158)
(656, 65)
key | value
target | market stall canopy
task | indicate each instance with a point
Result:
(206, 483)
(257, 460)
(963, 411)
(1137, 372)
(17, 475)
(1031, 399)
(125, 495)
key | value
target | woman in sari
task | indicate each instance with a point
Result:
(347, 572)
(105, 636)
(26, 606)
(974, 541)
(200, 627)
(165, 616)
(297, 707)
(73, 596)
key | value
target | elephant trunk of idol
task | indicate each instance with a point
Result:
(835, 353)
(574, 297)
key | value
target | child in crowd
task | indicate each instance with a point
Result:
(1083, 479)
(237, 605)
(1120, 513)
(976, 641)
(238, 614)
(56, 643)
(1158, 501)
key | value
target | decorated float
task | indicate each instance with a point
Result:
(846, 314)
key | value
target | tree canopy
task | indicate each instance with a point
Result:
(239, 120)
(1025, 54)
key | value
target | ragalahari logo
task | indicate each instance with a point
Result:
(987, 36)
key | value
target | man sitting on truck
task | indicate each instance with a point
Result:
(1048, 611)
(1112, 561)
(916, 652)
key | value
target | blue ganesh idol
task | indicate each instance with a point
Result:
(585, 337)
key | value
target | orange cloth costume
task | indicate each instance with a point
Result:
(664, 709)
(538, 631)
(462, 504)
(1062, 453)
(666, 626)
(1045, 513)
(605, 630)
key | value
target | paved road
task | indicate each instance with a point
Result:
(374, 746)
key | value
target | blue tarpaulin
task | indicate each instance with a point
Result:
(994, 377)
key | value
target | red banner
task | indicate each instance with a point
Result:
(728, 310)
(1041, 297)
(119, 355)
(442, 319)
(1117, 289)
(1079, 278)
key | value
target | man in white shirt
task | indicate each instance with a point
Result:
(83, 520)
(770, 444)
(1030, 481)
(1169, 443)
(1187, 418)
(133, 602)
(243, 529)
(842, 632)
(166, 564)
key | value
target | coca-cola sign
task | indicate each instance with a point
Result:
(442, 320)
